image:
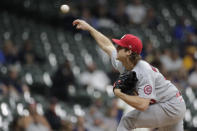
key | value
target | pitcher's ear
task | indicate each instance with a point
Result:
(129, 52)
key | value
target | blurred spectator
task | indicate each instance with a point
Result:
(165, 57)
(34, 121)
(190, 41)
(93, 77)
(183, 28)
(98, 103)
(104, 18)
(188, 60)
(14, 83)
(95, 111)
(32, 68)
(119, 15)
(151, 20)
(110, 119)
(180, 78)
(28, 50)
(98, 124)
(29, 61)
(10, 52)
(148, 50)
(62, 78)
(87, 16)
(171, 60)
(90, 114)
(67, 126)
(136, 12)
(176, 61)
(80, 125)
(192, 79)
(51, 116)
(3, 90)
(2, 58)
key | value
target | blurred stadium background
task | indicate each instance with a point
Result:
(57, 77)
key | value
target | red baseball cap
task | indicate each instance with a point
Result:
(131, 42)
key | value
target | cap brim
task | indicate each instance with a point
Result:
(118, 42)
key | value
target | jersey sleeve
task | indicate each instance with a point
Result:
(116, 63)
(146, 86)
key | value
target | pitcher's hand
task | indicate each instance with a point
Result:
(81, 24)
(117, 92)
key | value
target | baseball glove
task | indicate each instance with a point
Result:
(127, 83)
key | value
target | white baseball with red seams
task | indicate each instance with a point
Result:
(64, 8)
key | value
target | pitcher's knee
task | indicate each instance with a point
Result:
(126, 124)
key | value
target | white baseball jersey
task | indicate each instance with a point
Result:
(151, 83)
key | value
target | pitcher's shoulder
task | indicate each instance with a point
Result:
(142, 65)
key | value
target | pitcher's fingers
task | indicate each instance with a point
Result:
(74, 23)
(77, 21)
(78, 27)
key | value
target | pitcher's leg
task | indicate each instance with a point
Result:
(175, 127)
(139, 119)
(127, 121)
(153, 117)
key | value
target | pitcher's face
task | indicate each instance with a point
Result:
(122, 54)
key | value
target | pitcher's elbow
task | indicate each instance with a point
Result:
(143, 107)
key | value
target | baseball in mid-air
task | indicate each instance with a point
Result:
(64, 8)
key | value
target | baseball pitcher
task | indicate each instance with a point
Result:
(157, 101)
